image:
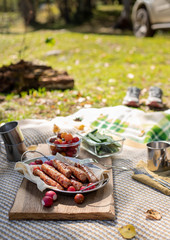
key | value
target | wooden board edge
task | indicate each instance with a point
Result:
(86, 216)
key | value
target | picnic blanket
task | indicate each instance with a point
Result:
(131, 123)
(132, 199)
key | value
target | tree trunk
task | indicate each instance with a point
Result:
(84, 10)
(75, 10)
(28, 11)
(65, 10)
(127, 9)
(4, 5)
(124, 21)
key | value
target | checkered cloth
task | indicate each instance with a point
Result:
(132, 199)
(131, 123)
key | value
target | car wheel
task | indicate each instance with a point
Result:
(141, 24)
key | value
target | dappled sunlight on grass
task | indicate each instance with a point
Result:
(103, 67)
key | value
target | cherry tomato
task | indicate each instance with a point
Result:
(83, 187)
(68, 137)
(91, 187)
(49, 163)
(36, 168)
(69, 154)
(54, 152)
(79, 198)
(62, 135)
(38, 161)
(75, 139)
(71, 189)
(58, 144)
(52, 140)
(59, 135)
(32, 163)
(58, 141)
(52, 147)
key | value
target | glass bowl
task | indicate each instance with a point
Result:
(68, 148)
(102, 143)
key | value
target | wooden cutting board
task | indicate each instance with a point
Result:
(97, 205)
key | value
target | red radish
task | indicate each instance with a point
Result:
(71, 189)
(49, 163)
(51, 194)
(32, 163)
(38, 161)
(47, 201)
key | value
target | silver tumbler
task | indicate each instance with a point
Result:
(158, 156)
(13, 141)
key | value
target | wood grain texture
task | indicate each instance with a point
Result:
(97, 205)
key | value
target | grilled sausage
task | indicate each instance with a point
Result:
(49, 181)
(90, 175)
(57, 176)
(76, 184)
(78, 173)
(61, 167)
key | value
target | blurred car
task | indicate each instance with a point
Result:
(149, 16)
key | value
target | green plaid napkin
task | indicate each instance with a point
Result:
(131, 123)
(143, 133)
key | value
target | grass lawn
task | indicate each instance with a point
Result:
(104, 64)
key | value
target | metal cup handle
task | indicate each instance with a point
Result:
(33, 152)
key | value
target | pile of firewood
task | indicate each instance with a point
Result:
(23, 76)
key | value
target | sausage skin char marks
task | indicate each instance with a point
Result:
(49, 181)
(57, 176)
(78, 173)
(90, 175)
(76, 184)
(62, 168)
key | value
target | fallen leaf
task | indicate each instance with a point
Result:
(153, 214)
(141, 134)
(78, 119)
(81, 127)
(56, 129)
(127, 231)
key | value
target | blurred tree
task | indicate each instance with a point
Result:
(124, 21)
(5, 5)
(83, 10)
(76, 10)
(28, 9)
(8, 5)
(65, 10)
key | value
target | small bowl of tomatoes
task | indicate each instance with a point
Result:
(64, 143)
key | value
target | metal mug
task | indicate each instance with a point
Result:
(13, 140)
(158, 156)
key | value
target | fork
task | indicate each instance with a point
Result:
(140, 170)
(161, 181)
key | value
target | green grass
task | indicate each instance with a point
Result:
(99, 62)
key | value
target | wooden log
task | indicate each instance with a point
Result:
(25, 75)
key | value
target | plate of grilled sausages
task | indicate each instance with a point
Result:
(60, 173)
